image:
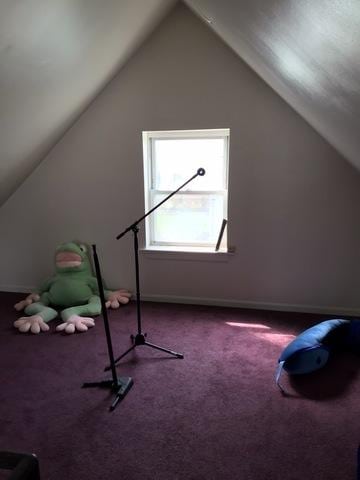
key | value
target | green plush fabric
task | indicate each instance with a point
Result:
(73, 290)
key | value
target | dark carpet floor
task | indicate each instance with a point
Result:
(215, 415)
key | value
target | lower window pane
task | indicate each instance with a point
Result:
(191, 219)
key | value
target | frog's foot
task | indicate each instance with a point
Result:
(35, 324)
(76, 322)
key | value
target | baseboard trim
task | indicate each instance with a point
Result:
(17, 288)
(283, 307)
(220, 302)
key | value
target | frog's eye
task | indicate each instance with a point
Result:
(82, 248)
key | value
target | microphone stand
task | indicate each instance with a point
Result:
(140, 337)
(119, 385)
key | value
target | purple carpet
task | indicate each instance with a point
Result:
(215, 415)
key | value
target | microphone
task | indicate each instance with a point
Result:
(201, 172)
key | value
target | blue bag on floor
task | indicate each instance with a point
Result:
(310, 350)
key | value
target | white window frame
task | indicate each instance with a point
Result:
(150, 192)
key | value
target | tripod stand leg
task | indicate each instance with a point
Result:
(101, 384)
(177, 355)
(120, 388)
(120, 357)
(124, 385)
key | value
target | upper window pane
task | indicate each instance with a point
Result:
(176, 160)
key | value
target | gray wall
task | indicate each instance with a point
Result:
(294, 202)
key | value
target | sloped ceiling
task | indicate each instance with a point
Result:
(56, 56)
(308, 51)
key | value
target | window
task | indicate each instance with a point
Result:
(192, 218)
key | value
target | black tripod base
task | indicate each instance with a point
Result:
(140, 339)
(120, 388)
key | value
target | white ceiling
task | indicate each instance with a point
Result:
(56, 56)
(308, 51)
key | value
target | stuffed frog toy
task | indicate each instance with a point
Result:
(73, 290)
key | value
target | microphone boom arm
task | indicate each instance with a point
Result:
(200, 172)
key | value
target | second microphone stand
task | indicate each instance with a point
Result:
(118, 385)
(140, 337)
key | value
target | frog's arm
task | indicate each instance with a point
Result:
(34, 296)
(113, 297)
(45, 286)
(116, 297)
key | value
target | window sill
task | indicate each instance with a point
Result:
(183, 254)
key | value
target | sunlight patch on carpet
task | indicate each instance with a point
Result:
(248, 325)
(280, 339)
